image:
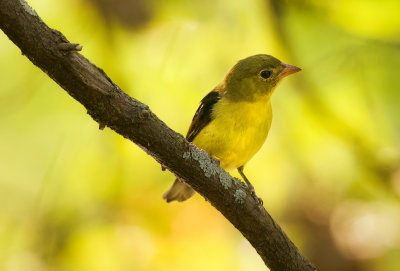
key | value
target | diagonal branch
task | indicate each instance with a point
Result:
(107, 104)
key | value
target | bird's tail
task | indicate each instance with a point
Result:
(179, 191)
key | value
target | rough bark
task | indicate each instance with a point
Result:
(107, 104)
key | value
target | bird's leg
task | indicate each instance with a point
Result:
(249, 185)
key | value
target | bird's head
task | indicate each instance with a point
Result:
(255, 76)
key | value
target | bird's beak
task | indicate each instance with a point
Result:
(288, 69)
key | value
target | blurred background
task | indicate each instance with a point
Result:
(73, 197)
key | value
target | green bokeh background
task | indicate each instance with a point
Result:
(73, 197)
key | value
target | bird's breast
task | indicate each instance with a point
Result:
(237, 131)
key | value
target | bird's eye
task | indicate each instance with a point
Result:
(265, 74)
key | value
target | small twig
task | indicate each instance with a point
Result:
(66, 46)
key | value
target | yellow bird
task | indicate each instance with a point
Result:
(233, 120)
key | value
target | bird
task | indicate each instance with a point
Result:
(233, 120)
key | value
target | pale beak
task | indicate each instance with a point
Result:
(288, 70)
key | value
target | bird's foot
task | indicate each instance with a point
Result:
(258, 199)
(253, 193)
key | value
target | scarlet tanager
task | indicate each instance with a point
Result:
(233, 120)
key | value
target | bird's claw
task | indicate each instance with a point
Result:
(253, 193)
(258, 199)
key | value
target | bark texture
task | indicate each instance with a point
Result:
(107, 104)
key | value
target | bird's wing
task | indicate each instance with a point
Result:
(203, 114)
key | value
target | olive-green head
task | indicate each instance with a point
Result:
(255, 76)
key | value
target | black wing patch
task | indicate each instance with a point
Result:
(203, 114)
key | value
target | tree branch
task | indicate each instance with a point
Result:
(107, 104)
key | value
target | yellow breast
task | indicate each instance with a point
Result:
(237, 132)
